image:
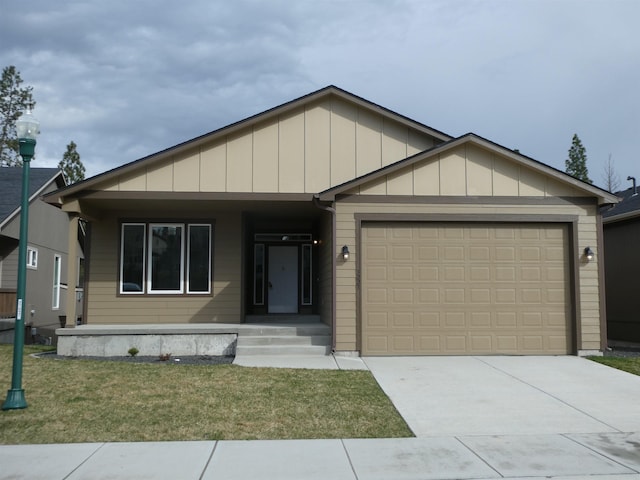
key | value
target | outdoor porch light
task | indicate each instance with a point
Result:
(588, 253)
(27, 128)
(345, 253)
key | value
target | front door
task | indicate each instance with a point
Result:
(283, 279)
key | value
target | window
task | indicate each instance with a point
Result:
(57, 261)
(165, 258)
(32, 258)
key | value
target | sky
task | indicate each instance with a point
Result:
(125, 79)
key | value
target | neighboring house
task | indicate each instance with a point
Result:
(47, 248)
(622, 263)
(455, 245)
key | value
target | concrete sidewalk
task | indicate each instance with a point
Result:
(597, 456)
(474, 418)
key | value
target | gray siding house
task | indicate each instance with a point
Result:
(47, 249)
(622, 263)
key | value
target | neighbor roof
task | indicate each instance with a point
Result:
(628, 207)
(11, 188)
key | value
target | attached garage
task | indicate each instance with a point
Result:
(432, 288)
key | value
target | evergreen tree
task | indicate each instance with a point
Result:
(576, 164)
(71, 165)
(14, 100)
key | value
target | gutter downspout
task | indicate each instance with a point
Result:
(332, 210)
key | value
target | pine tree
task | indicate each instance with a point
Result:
(13, 101)
(576, 164)
(71, 165)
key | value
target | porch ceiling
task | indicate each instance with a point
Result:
(177, 207)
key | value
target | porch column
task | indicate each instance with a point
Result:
(72, 270)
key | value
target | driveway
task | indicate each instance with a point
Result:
(509, 395)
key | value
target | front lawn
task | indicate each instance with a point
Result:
(628, 364)
(100, 401)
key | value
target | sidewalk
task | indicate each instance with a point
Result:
(555, 424)
(597, 456)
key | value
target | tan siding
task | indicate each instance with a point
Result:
(105, 306)
(369, 142)
(532, 184)
(132, 182)
(505, 177)
(343, 142)
(307, 150)
(239, 163)
(186, 174)
(426, 178)
(291, 172)
(453, 173)
(160, 177)
(317, 148)
(265, 158)
(213, 169)
(479, 171)
(399, 184)
(418, 143)
(394, 142)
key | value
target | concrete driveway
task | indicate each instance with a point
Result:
(509, 395)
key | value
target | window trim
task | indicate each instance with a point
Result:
(121, 290)
(149, 278)
(187, 258)
(57, 284)
(185, 225)
(32, 258)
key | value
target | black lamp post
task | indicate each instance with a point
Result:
(27, 128)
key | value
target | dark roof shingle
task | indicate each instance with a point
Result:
(11, 186)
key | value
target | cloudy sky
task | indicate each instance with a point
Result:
(124, 79)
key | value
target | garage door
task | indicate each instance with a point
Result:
(455, 289)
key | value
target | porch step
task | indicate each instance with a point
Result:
(312, 339)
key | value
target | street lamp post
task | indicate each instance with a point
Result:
(27, 127)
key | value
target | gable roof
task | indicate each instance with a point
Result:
(318, 95)
(603, 196)
(11, 188)
(628, 207)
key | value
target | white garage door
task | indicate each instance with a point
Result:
(455, 289)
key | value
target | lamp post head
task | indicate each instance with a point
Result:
(27, 126)
(27, 129)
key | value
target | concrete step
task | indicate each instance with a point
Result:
(283, 349)
(245, 340)
(282, 318)
(285, 330)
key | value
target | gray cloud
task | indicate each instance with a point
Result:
(125, 79)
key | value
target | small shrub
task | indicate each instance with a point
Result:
(133, 351)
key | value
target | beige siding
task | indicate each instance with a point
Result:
(587, 283)
(468, 170)
(291, 150)
(223, 306)
(307, 150)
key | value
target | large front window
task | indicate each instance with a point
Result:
(165, 258)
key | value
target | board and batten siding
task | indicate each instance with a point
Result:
(105, 306)
(467, 171)
(307, 150)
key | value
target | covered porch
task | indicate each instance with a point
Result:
(268, 261)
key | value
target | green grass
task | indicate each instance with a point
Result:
(99, 401)
(628, 364)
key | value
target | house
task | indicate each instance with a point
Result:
(47, 250)
(401, 238)
(622, 263)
